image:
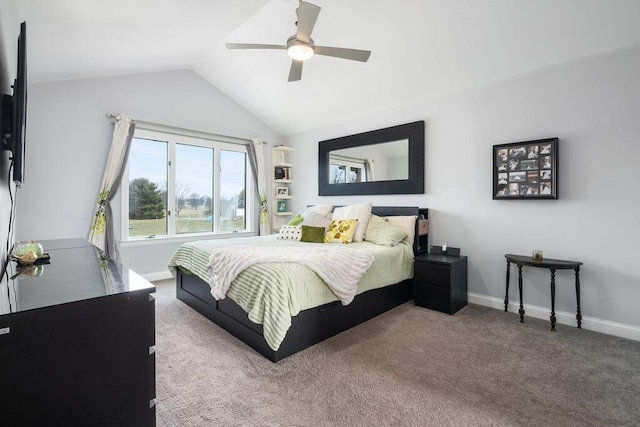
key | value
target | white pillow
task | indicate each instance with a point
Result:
(290, 232)
(319, 209)
(360, 212)
(316, 220)
(407, 223)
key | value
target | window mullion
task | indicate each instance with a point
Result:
(249, 193)
(171, 190)
(215, 203)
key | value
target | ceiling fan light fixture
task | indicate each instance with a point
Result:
(300, 52)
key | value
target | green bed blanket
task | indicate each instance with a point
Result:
(272, 293)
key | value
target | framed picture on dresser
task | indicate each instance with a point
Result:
(526, 170)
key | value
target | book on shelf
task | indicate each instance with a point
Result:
(281, 173)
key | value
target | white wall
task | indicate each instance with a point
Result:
(593, 106)
(69, 138)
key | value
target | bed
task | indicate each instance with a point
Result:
(300, 321)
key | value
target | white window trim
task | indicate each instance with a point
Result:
(172, 139)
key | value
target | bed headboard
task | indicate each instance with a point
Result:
(400, 211)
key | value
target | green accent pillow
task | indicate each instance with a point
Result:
(380, 232)
(312, 234)
(295, 220)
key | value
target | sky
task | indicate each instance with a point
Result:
(194, 167)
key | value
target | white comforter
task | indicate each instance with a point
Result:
(339, 267)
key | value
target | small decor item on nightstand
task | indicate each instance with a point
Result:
(444, 250)
(536, 255)
(282, 205)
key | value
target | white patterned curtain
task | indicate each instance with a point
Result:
(102, 234)
(255, 152)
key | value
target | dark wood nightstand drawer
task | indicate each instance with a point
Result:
(433, 274)
(432, 297)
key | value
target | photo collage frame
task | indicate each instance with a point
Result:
(526, 170)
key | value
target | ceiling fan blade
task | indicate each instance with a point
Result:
(307, 16)
(295, 73)
(341, 52)
(254, 46)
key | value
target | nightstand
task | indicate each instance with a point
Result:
(440, 282)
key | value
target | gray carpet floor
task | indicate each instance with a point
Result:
(410, 366)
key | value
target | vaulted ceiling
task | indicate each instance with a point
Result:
(420, 48)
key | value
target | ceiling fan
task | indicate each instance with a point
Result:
(301, 47)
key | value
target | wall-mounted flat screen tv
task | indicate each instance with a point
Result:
(14, 111)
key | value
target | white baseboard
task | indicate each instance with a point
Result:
(591, 323)
(562, 317)
(160, 275)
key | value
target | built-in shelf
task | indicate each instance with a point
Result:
(281, 167)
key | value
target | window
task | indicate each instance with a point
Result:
(343, 170)
(182, 185)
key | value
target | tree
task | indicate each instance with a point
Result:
(182, 194)
(195, 200)
(145, 200)
(208, 206)
(241, 200)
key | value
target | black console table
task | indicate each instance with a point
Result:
(76, 341)
(552, 265)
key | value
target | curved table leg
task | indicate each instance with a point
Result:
(553, 299)
(506, 295)
(521, 311)
(578, 313)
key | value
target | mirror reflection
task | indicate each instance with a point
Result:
(386, 161)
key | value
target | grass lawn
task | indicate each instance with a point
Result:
(147, 227)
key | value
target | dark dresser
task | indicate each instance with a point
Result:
(440, 282)
(77, 340)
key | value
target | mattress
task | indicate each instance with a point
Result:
(272, 293)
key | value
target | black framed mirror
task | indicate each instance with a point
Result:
(383, 161)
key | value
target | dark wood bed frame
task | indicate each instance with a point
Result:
(309, 326)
